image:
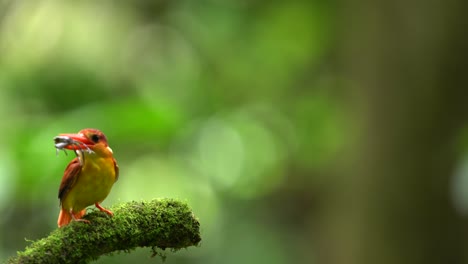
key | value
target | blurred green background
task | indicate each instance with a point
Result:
(236, 107)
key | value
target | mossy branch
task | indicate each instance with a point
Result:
(164, 223)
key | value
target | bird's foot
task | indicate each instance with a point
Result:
(102, 209)
(74, 218)
(81, 220)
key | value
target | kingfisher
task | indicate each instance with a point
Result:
(89, 177)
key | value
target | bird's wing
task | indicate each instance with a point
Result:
(69, 177)
(116, 168)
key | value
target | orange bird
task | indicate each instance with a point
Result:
(89, 177)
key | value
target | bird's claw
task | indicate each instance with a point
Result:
(102, 209)
(81, 220)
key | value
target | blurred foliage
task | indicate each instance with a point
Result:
(229, 105)
(232, 106)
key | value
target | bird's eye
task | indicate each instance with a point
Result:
(95, 138)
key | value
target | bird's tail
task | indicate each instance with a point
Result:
(65, 218)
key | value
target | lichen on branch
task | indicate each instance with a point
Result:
(160, 223)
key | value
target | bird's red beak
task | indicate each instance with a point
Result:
(72, 141)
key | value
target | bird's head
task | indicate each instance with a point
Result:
(85, 139)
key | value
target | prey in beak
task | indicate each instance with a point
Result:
(76, 142)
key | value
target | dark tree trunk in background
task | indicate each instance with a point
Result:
(407, 62)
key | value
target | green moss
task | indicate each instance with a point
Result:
(160, 223)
